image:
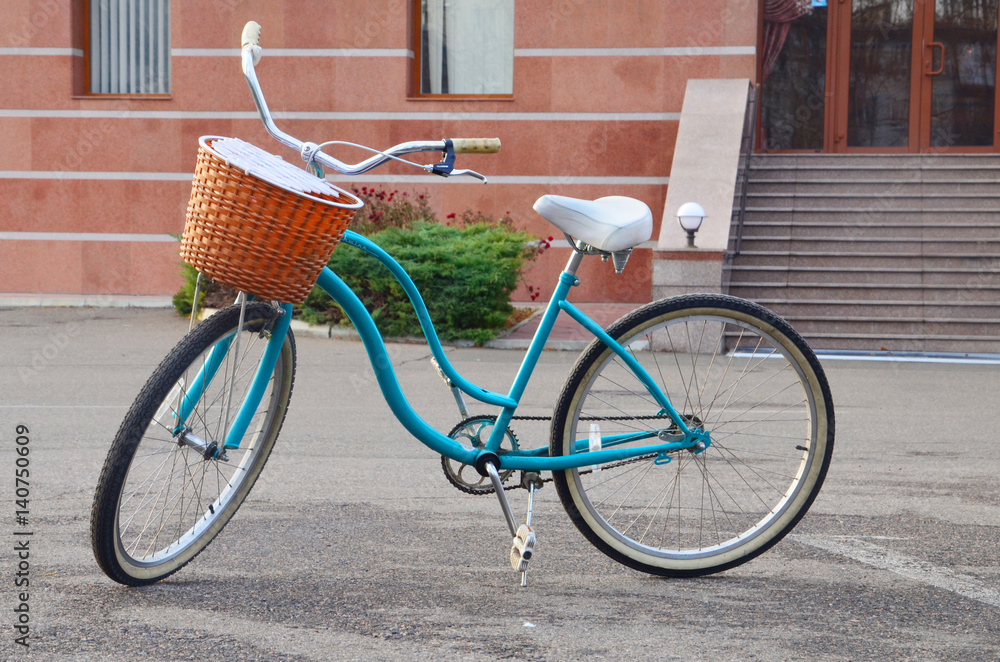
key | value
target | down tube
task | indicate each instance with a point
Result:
(386, 376)
(253, 397)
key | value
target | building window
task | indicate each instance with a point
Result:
(465, 47)
(128, 47)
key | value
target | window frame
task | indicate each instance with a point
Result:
(84, 89)
(416, 42)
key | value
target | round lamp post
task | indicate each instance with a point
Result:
(690, 216)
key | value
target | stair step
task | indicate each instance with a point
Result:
(876, 251)
(876, 202)
(901, 174)
(850, 254)
(886, 308)
(918, 344)
(942, 321)
(915, 294)
(745, 274)
(884, 231)
(753, 221)
(873, 245)
(870, 213)
(909, 162)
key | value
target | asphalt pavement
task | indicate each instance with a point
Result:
(354, 546)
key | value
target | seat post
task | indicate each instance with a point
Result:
(574, 261)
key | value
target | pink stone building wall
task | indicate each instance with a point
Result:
(92, 187)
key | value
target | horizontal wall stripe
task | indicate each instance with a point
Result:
(75, 174)
(84, 300)
(42, 51)
(160, 238)
(295, 52)
(679, 51)
(84, 236)
(340, 116)
(365, 178)
(673, 51)
(549, 180)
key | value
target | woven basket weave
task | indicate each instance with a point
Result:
(259, 236)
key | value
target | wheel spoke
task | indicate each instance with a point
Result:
(693, 511)
(169, 496)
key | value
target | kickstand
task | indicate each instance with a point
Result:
(525, 538)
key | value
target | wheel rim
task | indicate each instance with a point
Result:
(748, 487)
(172, 496)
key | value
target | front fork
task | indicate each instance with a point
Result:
(236, 427)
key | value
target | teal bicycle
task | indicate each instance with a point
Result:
(690, 436)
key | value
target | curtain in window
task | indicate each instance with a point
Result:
(129, 46)
(467, 47)
(778, 17)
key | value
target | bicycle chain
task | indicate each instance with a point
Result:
(613, 465)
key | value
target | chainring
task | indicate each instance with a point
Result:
(473, 433)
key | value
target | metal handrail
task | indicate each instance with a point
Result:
(747, 147)
(748, 144)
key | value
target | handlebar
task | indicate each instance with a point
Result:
(312, 153)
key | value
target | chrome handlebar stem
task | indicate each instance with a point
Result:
(311, 152)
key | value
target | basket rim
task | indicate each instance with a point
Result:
(205, 142)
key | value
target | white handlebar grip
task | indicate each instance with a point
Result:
(251, 34)
(476, 145)
(251, 38)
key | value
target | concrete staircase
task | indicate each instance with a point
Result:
(876, 252)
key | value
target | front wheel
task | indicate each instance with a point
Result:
(168, 487)
(731, 368)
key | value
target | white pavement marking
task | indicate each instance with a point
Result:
(909, 567)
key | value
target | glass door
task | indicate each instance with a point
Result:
(880, 93)
(916, 76)
(959, 74)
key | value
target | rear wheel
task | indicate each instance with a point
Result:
(729, 367)
(165, 492)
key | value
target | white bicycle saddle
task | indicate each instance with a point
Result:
(609, 224)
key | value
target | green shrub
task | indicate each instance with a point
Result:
(465, 274)
(182, 300)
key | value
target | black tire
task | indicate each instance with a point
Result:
(160, 502)
(732, 368)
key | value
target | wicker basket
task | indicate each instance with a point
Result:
(259, 224)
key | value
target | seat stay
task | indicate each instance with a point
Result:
(634, 366)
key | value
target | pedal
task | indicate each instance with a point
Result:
(522, 549)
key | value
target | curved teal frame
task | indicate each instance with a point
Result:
(536, 459)
(531, 460)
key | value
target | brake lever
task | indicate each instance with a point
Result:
(470, 173)
(441, 171)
